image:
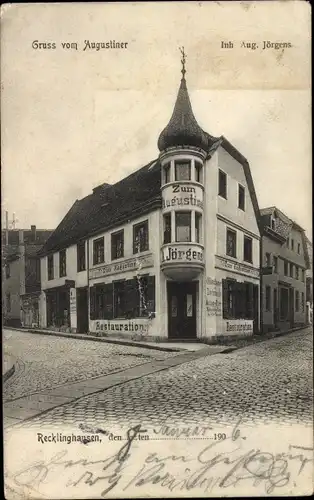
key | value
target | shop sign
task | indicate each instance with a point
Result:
(182, 196)
(182, 253)
(72, 300)
(237, 267)
(239, 326)
(120, 267)
(132, 326)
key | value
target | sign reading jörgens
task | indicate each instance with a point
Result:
(120, 267)
(183, 253)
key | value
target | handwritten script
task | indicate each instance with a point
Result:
(219, 464)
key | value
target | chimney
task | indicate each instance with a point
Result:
(33, 229)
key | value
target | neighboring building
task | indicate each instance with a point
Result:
(285, 260)
(170, 252)
(309, 284)
(21, 275)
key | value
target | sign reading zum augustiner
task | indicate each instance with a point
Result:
(132, 264)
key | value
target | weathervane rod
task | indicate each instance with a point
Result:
(183, 59)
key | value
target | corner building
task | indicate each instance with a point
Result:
(172, 251)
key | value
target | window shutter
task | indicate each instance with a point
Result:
(108, 300)
(92, 297)
(225, 305)
(151, 296)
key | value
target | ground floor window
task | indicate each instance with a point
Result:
(133, 298)
(238, 299)
(58, 308)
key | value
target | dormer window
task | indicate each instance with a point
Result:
(182, 170)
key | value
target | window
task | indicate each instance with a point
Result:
(182, 170)
(131, 298)
(8, 302)
(299, 248)
(183, 226)
(285, 268)
(237, 299)
(98, 251)
(284, 303)
(288, 242)
(247, 249)
(117, 245)
(7, 270)
(297, 300)
(167, 228)
(268, 259)
(198, 227)
(272, 223)
(303, 275)
(118, 299)
(291, 270)
(50, 267)
(62, 263)
(267, 298)
(302, 301)
(275, 262)
(198, 171)
(81, 256)
(140, 237)
(241, 197)
(296, 272)
(292, 244)
(167, 173)
(222, 184)
(231, 244)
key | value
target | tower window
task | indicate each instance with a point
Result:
(182, 170)
(198, 171)
(167, 173)
(183, 226)
(167, 228)
(222, 184)
(198, 226)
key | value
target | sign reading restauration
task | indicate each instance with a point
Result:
(120, 267)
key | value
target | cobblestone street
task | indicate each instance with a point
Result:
(44, 361)
(266, 382)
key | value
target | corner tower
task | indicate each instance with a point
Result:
(183, 147)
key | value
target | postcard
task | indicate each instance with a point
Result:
(157, 289)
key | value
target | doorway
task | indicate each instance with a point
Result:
(182, 310)
(275, 307)
(82, 310)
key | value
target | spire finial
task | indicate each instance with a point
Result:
(183, 61)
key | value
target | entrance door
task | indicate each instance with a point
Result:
(182, 310)
(82, 310)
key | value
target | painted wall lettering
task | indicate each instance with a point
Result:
(175, 253)
(213, 289)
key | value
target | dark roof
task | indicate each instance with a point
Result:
(108, 206)
(183, 129)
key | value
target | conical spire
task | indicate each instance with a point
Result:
(182, 129)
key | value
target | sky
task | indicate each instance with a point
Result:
(73, 119)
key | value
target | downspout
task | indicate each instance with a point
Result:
(88, 293)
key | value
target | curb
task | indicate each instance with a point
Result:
(8, 373)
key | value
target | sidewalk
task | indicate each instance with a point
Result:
(227, 346)
(160, 346)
